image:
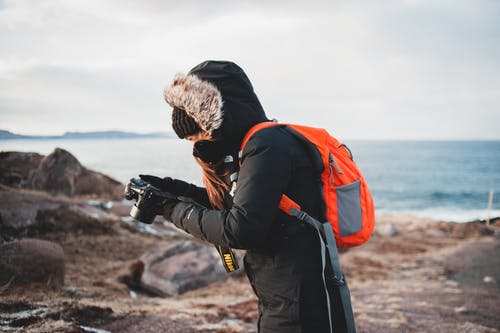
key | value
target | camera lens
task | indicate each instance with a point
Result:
(142, 215)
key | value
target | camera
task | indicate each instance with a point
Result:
(147, 199)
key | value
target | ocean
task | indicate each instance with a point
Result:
(447, 180)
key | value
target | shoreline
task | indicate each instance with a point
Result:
(400, 193)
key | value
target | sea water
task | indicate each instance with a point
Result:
(448, 180)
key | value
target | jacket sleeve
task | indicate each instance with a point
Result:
(263, 178)
(198, 194)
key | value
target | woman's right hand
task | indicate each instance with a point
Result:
(179, 188)
(167, 184)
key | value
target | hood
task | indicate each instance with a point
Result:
(220, 98)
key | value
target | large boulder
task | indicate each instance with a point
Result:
(174, 268)
(61, 173)
(27, 213)
(31, 260)
(57, 173)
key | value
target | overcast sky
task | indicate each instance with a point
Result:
(413, 69)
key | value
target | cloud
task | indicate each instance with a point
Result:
(397, 69)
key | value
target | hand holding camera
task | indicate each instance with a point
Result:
(150, 200)
(167, 184)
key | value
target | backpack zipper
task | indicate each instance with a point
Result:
(333, 164)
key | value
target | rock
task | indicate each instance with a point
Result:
(71, 219)
(57, 173)
(32, 260)
(175, 268)
(470, 229)
(61, 173)
(32, 213)
(16, 167)
(18, 208)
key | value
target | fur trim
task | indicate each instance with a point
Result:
(201, 100)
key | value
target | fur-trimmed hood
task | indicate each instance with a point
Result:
(201, 100)
(220, 98)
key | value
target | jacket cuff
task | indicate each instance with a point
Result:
(185, 214)
(178, 213)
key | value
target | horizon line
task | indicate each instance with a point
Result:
(61, 134)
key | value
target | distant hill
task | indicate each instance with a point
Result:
(87, 135)
(111, 135)
(9, 135)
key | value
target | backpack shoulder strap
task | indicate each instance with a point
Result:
(286, 204)
(254, 129)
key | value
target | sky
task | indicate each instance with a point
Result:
(408, 69)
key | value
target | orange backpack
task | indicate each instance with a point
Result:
(348, 202)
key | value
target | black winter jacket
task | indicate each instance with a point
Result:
(282, 262)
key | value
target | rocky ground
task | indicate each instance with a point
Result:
(414, 275)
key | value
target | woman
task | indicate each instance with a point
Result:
(214, 106)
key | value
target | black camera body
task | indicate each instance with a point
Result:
(147, 198)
